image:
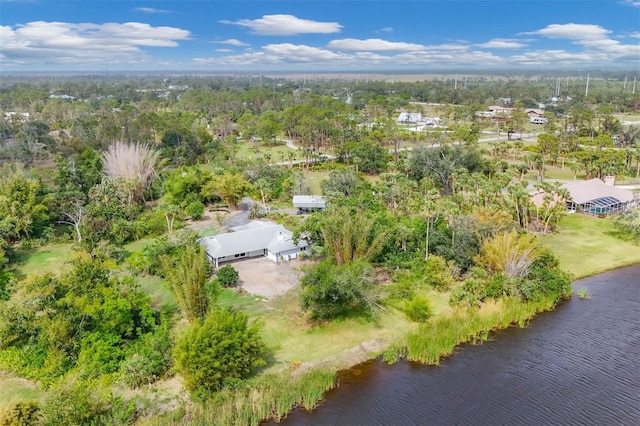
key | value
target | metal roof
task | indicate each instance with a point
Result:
(594, 189)
(309, 201)
(275, 238)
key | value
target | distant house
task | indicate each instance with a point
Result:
(256, 239)
(309, 203)
(500, 110)
(409, 118)
(534, 112)
(538, 120)
(594, 197)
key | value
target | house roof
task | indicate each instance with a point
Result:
(593, 189)
(411, 117)
(309, 201)
(275, 238)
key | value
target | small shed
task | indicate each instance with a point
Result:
(309, 203)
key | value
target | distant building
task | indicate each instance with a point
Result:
(595, 197)
(534, 112)
(538, 120)
(409, 118)
(255, 239)
(309, 203)
(500, 110)
(65, 97)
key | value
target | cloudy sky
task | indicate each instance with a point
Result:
(318, 35)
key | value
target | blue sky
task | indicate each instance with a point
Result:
(318, 35)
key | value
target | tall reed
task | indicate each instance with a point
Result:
(268, 397)
(438, 337)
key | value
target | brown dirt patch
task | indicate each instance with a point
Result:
(263, 277)
(210, 219)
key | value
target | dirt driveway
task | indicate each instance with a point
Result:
(262, 277)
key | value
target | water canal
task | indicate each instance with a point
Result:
(579, 364)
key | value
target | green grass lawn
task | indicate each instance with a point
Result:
(588, 245)
(13, 388)
(48, 258)
(313, 180)
(294, 338)
(158, 289)
(278, 153)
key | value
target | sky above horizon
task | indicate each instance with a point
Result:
(318, 35)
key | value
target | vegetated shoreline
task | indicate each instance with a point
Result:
(274, 396)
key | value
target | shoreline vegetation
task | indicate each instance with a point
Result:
(273, 396)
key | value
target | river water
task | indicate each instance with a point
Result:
(579, 364)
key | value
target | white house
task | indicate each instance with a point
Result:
(409, 118)
(255, 239)
(538, 120)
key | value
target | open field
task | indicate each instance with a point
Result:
(48, 258)
(276, 154)
(14, 388)
(588, 245)
(313, 180)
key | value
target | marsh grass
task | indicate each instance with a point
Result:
(584, 294)
(439, 337)
(267, 397)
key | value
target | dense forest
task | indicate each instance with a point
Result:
(117, 169)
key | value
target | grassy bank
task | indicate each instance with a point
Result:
(267, 397)
(439, 337)
(588, 245)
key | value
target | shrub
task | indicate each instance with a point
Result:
(152, 223)
(418, 309)
(331, 290)
(148, 360)
(228, 276)
(224, 348)
(166, 246)
(471, 293)
(437, 273)
(75, 402)
(195, 210)
(20, 414)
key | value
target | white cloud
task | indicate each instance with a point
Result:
(372, 44)
(594, 39)
(386, 30)
(60, 42)
(285, 25)
(274, 55)
(232, 42)
(635, 34)
(634, 3)
(499, 43)
(150, 10)
(572, 31)
(224, 50)
(551, 57)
